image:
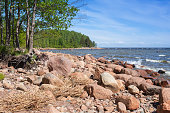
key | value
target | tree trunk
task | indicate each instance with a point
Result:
(13, 36)
(32, 28)
(1, 25)
(28, 27)
(6, 18)
(9, 25)
(17, 28)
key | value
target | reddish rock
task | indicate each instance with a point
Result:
(52, 79)
(80, 77)
(128, 66)
(123, 77)
(130, 72)
(133, 89)
(142, 72)
(149, 81)
(87, 57)
(40, 72)
(121, 107)
(118, 69)
(109, 109)
(165, 83)
(97, 73)
(150, 89)
(164, 101)
(102, 60)
(154, 74)
(61, 65)
(148, 71)
(111, 66)
(31, 78)
(108, 69)
(130, 101)
(135, 81)
(98, 92)
(84, 94)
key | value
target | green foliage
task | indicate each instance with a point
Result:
(2, 76)
(4, 50)
(63, 39)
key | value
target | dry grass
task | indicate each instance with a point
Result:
(25, 101)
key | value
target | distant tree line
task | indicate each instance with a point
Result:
(61, 39)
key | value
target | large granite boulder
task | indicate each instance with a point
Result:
(60, 64)
(109, 82)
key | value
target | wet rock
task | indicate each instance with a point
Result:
(142, 72)
(149, 71)
(133, 89)
(128, 66)
(60, 64)
(164, 100)
(154, 74)
(52, 79)
(109, 82)
(150, 89)
(130, 101)
(165, 83)
(161, 71)
(98, 92)
(121, 107)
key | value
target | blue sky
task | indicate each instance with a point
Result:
(126, 23)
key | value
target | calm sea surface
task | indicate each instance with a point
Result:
(151, 58)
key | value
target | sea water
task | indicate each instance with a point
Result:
(143, 58)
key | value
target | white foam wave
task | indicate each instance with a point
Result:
(159, 61)
(137, 64)
(137, 57)
(167, 73)
(162, 55)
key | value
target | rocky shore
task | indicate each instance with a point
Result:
(69, 48)
(81, 84)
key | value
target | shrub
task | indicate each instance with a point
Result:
(2, 76)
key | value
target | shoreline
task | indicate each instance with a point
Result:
(84, 82)
(68, 48)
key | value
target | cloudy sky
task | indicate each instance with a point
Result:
(126, 23)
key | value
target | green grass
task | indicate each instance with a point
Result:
(2, 76)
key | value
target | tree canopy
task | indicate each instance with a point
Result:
(21, 19)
